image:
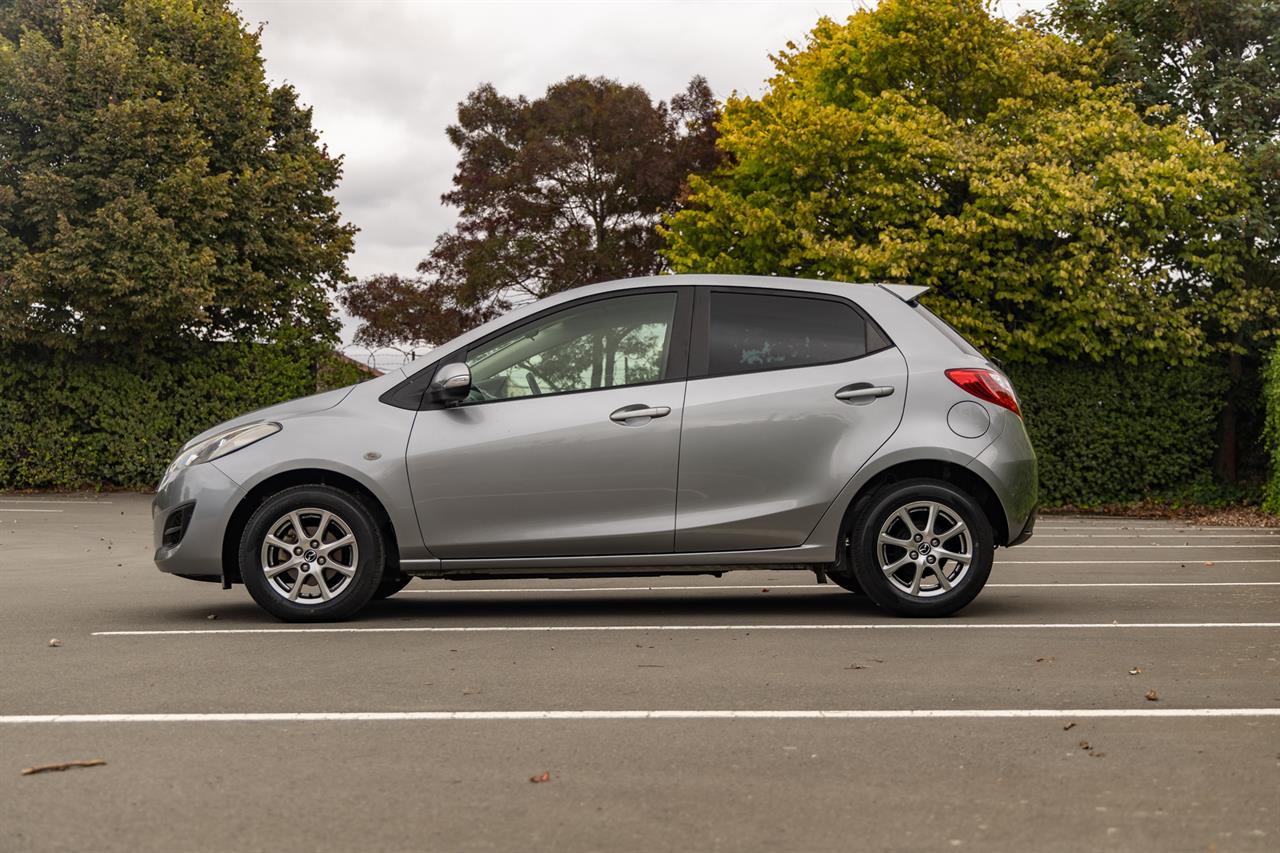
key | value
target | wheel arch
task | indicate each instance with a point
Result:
(963, 478)
(257, 495)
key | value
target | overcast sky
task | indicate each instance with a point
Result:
(385, 78)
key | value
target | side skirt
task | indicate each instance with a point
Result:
(802, 558)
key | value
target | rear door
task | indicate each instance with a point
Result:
(789, 394)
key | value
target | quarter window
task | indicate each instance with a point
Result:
(751, 331)
(624, 340)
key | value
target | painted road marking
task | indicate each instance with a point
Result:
(11, 509)
(1155, 536)
(859, 626)
(1162, 527)
(809, 586)
(1140, 545)
(450, 716)
(43, 501)
(1273, 562)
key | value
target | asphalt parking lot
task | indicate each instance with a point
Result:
(759, 711)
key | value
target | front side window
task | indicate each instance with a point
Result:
(751, 331)
(623, 340)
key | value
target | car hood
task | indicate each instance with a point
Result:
(281, 411)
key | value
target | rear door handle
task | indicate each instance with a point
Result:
(863, 391)
(639, 410)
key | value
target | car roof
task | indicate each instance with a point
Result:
(905, 292)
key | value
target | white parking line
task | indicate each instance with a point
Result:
(11, 509)
(1162, 527)
(832, 588)
(1274, 562)
(42, 501)
(462, 716)
(1156, 536)
(536, 629)
(1029, 546)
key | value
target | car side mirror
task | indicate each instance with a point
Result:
(450, 385)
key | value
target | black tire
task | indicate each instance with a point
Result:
(390, 585)
(366, 557)
(847, 581)
(938, 598)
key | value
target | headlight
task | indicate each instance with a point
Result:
(221, 444)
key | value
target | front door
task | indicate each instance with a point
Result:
(789, 395)
(569, 442)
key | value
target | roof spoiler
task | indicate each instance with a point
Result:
(908, 293)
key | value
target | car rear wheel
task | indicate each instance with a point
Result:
(921, 548)
(312, 554)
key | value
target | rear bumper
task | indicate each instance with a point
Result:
(211, 496)
(1026, 530)
(1009, 467)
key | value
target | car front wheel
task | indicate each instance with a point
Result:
(921, 548)
(312, 554)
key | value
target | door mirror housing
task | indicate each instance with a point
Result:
(450, 385)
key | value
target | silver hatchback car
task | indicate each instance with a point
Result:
(668, 425)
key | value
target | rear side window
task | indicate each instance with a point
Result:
(758, 331)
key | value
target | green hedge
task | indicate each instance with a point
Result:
(1104, 434)
(72, 422)
(1271, 433)
(1115, 433)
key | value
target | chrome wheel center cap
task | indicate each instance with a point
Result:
(310, 555)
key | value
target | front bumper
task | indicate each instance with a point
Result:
(212, 497)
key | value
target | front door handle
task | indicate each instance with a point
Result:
(629, 413)
(863, 391)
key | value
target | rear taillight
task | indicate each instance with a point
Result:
(986, 385)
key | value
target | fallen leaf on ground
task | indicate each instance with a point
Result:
(470, 691)
(1084, 744)
(1137, 670)
(64, 765)
(855, 666)
(1152, 696)
(1068, 727)
(1208, 562)
(55, 643)
(541, 777)
(1097, 755)
(766, 589)
(1044, 660)
(212, 616)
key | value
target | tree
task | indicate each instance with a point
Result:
(552, 193)
(153, 187)
(1218, 64)
(932, 142)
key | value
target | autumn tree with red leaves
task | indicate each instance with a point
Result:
(552, 193)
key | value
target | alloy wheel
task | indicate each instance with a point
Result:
(309, 556)
(924, 549)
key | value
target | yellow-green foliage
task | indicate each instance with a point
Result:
(932, 142)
